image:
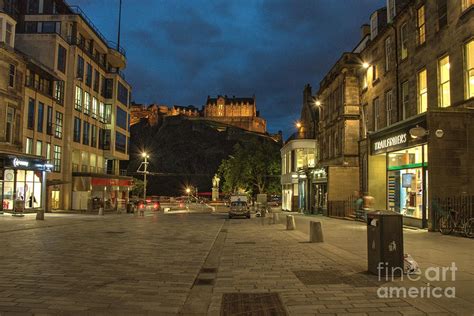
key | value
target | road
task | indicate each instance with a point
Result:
(203, 264)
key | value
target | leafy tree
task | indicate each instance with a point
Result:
(254, 166)
(137, 189)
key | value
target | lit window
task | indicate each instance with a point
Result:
(87, 102)
(59, 125)
(443, 88)
(94, 107)
(469, 62)
(465, 4)
(57, 158)
(421, 25)
(78, 99)
(29, 146)
(39, 148)
(422, 92)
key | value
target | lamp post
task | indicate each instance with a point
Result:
(145, 164)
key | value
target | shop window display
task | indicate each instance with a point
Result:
(28, 188)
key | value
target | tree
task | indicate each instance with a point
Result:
(254, 166)
(137, 189)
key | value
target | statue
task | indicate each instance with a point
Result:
(215, 187)
(215, 181)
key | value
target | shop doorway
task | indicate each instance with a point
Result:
(55, 199)
(405, 192)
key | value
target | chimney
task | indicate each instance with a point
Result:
(364, 30)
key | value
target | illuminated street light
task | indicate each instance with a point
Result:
(298, 125)
(318, 103)
(365, 65)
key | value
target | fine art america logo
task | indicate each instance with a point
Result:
(391, 141)
(427, 290)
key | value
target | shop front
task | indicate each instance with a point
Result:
(91, 190)
(398, 172)
(22, 182)
(320, 183)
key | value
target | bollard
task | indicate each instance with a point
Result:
(315, 232)
(290, 222)
(275, 218)
(101, 211)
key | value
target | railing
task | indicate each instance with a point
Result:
(77, 10)
(462, 204)
(342, 208)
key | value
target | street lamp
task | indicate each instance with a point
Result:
(365, 65)
(298, 125)
(145, 164)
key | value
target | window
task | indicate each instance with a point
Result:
(59, 125)
(94, 107)
(31, 114)
(48, 152)
(442, 13)
(388, 50)
(57, 158)
(80, 68)
(96, 80)
(373, 26)
(11, 78)
(469, 64)
(376, 113)
(49, 121)
(77, 130)
(59, 92)
(465, 4)
(104, 139)
(61, 59)
(78, 99)
(403, 41)
(9, 124)
(39, 148)
(89, 75)
(32, 7)
(422, 92)
(102, 112)
(121, 118)
(444, 87)
(87, 102)
(9, 34)
(93, 136)
(108, 88)
(405, 98)
(29, 146)
(120, 142)
(375, 73)
(421, 25)
(85, 133)
(39, 126)
(388, 106)
(122, 94)
(108, 113)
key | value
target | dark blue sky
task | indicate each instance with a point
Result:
(181, 51)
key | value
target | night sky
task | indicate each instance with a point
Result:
(181, 51)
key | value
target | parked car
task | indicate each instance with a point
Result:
(239, 206)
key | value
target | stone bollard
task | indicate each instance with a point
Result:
(101, 211)
(290, 222)
(275, 218)
(315, 232)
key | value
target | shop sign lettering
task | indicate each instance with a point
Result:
(390, 141)
(20, 163)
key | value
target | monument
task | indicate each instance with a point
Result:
(215, 187)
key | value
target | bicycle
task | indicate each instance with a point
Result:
(452, 220)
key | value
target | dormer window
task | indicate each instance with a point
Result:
(373, 26)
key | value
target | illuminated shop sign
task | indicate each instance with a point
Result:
(20, 163)
(390, 141)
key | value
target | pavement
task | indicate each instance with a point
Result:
(204, 264)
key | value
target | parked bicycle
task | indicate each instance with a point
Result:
(455, 221)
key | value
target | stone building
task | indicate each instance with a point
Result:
(155, 113)
(240, 112)
(417, 100)
(76, 104)
(338, 102)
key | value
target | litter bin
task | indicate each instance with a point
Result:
(385, 243)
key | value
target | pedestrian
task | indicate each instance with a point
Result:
(359, 202)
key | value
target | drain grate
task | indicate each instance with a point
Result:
(252, 304)
(208, 270)
(204, 282)
(334, 276)
(245, 242)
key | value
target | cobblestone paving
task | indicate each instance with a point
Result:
(114, 264)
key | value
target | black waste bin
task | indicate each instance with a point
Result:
(385, 243)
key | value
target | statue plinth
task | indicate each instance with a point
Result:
(215, 194)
